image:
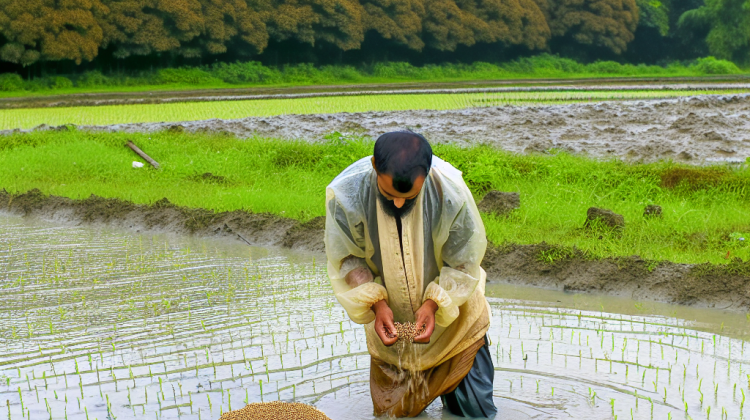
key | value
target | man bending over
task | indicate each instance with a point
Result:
(404, 242)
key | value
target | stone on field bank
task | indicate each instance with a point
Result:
(604, 216)
(652, 210)
(500, 203)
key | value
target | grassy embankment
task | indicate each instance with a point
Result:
(193, 111)
(252, 74)
(706, 210)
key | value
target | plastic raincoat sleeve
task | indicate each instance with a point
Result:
(345, 249)
(462, 255)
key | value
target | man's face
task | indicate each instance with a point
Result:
(396, 203)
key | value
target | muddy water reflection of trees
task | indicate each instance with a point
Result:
(104, 323)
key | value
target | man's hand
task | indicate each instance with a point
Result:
(425, 321)
(384, 323)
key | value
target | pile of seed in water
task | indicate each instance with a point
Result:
(407, 331)
(276, 410)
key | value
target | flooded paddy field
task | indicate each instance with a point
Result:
(98, 323)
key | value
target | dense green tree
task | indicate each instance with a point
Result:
(142, 27)
(338, 22)
(729, 23)
(50, 30)
(654, 14)
(512, 22)
(397, 20)
(450, 23)
(602, 23)
(446, 25)
(225, 20)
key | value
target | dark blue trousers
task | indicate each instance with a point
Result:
(473, 396)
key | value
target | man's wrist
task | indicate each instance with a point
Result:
(431, 304)
(378, 306)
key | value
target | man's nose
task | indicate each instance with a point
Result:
(399, 202)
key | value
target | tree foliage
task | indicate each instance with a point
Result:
(654, 14)
(50, 30)
(78, 30)
(339, 22)
(603, 23)
(729, 23)
(397, 20)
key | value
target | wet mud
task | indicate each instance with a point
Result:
(698, 130)
(262, 92)
(703, 285)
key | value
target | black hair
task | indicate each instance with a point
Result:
(405, 156)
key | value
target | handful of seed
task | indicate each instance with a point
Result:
(408, 330)
(276, 410)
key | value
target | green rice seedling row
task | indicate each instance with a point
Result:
(195, 111)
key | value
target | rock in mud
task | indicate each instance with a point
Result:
(500, 203)
(605, 217)
(652, 210)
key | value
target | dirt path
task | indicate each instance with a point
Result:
(725, 286)
(262, 92)
(697, 129)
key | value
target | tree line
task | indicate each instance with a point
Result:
(34, 31)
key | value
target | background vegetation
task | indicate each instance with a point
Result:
(256, 74)
(39, 37)
(705, 209)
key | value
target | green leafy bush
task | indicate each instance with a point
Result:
(61, 82)
(710, 65)
(250, 72)
(10, 82)
(186, 75)
(92, 79)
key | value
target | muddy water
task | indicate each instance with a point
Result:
(102, 324)
(699, 129)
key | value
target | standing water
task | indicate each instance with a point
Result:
(101, 324)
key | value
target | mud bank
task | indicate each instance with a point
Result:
(698, 129)
(704, 285)
(261, 92)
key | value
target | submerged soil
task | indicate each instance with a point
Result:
(263, 92)
(721, 286)
(700, 129)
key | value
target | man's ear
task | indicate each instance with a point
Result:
(373, 164)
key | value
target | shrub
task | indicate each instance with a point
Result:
(341, 73)
(303, 73)
(61, 82)
(710, 65)
(37, 85)
(250, 72)
(10, 82)
(392, 70)
(185, 75)
(92, 79)
(606, 67)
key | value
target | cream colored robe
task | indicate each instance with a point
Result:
(444, 242)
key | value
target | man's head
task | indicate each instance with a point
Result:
(402, 160)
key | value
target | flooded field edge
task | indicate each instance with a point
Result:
(704, 285)
(213, 94)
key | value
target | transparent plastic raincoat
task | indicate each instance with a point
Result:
(443, 245)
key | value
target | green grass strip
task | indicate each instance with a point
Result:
(705, 209)
(195, 111)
